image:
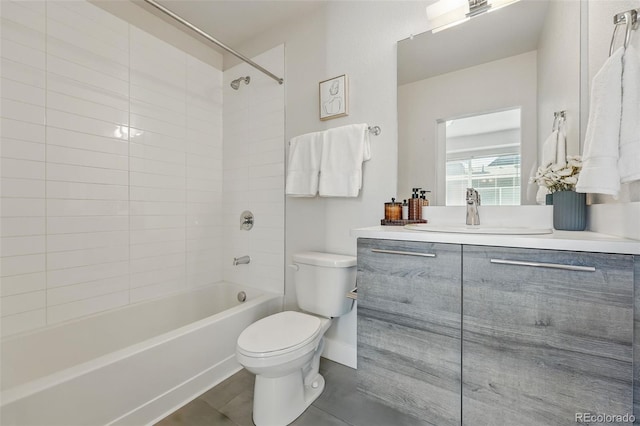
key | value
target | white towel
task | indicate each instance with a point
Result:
(600, 172)
(554, 152)
(344, 149)
(549, 156)
(629, 161)
(303, 166)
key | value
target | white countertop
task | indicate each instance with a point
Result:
(558, 240)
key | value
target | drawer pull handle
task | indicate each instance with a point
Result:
(408, 253)
(545, 265)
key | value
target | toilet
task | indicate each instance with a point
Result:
(283, 350)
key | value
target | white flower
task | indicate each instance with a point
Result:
(559, 176)
(574, 161)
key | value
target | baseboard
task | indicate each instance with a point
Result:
(160, 407)
(340, 352)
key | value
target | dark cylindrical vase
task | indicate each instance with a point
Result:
(569, 211)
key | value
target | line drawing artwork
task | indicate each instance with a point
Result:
(333, 98)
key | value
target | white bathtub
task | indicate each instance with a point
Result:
(130, 366)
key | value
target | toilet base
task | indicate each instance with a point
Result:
(279, 401)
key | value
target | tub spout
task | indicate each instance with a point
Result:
(242, 260)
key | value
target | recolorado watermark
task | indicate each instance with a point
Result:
(604, 418)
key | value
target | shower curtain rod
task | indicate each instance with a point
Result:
(213, 40)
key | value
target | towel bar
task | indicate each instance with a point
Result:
(630, 20)
(374, 130)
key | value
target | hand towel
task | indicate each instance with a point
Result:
(344, 149)
(549, 156)
(629, 161)
(303, 166)
(600, 172)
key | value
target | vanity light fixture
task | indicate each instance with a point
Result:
(445, 14)
(476, 7)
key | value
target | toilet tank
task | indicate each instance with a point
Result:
(322, 282)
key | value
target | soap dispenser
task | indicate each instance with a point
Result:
(425, 203)
(423, 198)
(405, 210)
(415, 205)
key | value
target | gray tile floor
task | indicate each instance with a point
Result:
(230, 404)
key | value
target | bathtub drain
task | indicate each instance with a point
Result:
(242, 296)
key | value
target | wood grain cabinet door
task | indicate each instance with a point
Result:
(547, 335)
(409, 323)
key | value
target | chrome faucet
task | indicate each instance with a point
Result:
(242, 260)
(473, 201)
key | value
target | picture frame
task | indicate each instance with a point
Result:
(334, 97)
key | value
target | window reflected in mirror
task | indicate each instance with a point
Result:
(482, 151)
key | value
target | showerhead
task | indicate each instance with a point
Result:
(235, 84)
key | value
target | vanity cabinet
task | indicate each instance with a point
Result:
(481, 335)
(409, 303)
(545, 334)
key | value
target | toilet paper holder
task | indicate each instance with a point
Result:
(353, 294)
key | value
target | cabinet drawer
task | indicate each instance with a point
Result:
(534, 288)
(413, 281)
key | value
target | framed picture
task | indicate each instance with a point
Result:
(333, 98)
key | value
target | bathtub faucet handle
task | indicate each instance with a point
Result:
(242, 260)
(246, 220)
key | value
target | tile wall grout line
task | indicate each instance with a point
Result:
(186, 179)
(46, 146)
(129, 42)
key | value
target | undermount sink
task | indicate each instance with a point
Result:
(478, 229)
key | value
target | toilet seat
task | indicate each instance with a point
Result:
(279, 334)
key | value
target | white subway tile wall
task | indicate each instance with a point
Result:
(112, 165)
(23, 168)
(158, 166)
(114, 189)
(254, 173)
(84, 66)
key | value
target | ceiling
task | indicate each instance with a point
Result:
(484, 123)
(234, 22)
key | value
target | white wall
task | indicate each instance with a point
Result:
(254, 173)
(505, 83)
(111, 165)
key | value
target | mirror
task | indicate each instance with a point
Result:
(524, 58)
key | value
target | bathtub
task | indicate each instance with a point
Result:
(129, 366)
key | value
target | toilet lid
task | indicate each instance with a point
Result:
(279, 331)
